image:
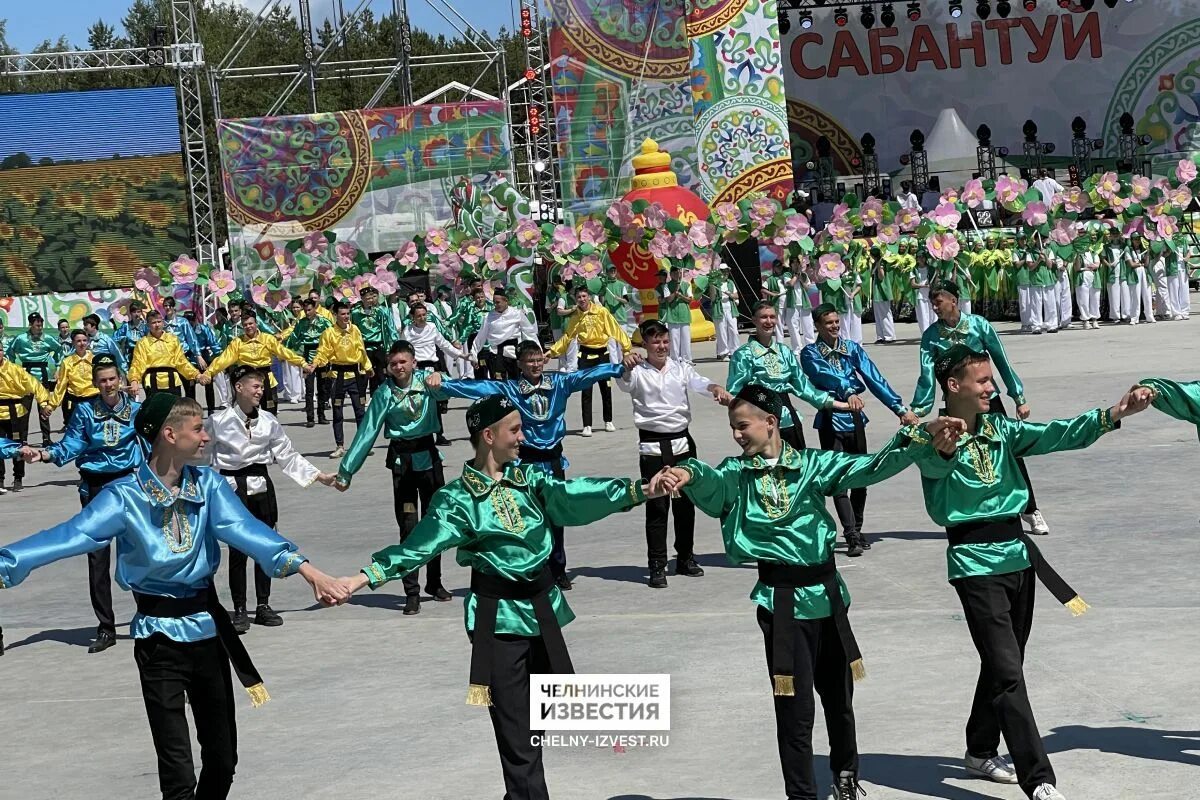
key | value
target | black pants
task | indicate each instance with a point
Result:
(999, 613)
(850, 506)
(189, 389)
(345, 384)
(175, 390)
(315, 380)
(407, 488)
(658, 509)
(514, 658)
(198, 671)
(99, 562)
(558, 548)
(379, 361)
(44, 422)
(70, 403)
(588, 358)
(793, 436)
(270, 395)
(821, 665)
(17, 430)
(499, 367)
(257, 505)
(210, 397)
(997, 406)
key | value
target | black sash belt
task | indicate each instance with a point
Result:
(666, 450)
(784, 579)
(40, 367)
(12, 404)
(400, 452)
(270, 505)
(152, 373)
(860, 427)
(96, 481)
(1008, 529)
(488, 591)
(149, 605)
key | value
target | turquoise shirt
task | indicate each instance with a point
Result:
(975, 332)
(39, 357)
(775, 367)
(103, 344)
(140, 514)
(100, 439)
(402, 414)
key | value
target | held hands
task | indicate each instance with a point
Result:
(433, 380)
(631, 360)
(855, 402)
(328, 591)
(327, 478)
(29, 455)
(909, 418)
(719, 394)
(340, 486)
(1137, 399)
(1023, 411)
(665, 482)
(204, 379)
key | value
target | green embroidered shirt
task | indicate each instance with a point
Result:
(978, 334)
(774, 367)
(402, 414)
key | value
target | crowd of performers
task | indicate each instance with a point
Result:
(169, 485)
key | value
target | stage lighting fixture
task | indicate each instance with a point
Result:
(785, 23)
(1031, 6)
(1003, 9)
(914, 12)
(956, 8)
(983, 9)
(539, 166)
(839, 17)
(806, 19)
(867, 17)
(887, 16)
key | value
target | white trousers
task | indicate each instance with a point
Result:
(807, 326)
(885, 325)
(1063, 290)
(1043, 310)
(727, 335)
(1178, 294)
(851, 327)
(1087, 296)
(924, 309)
(681, 340)
(221, 389)
(569, 360)
(1025, 306)
(781, 321)
(293, 384)
(1162, 294)
(1141, 302)
(1118, 301)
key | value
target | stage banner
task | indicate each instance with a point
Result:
(92, 188)
(1049, 66)
(738, 100)
(620, 74)
(375, 177)
(71, 306)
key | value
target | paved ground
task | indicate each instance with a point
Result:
(369, 702)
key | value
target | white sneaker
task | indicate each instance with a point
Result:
(1037, 331)
(587, 430)
(995, 769)
(609, 427)
(1036, 522)
(338, 453)
(1047, 792)
(3, 490)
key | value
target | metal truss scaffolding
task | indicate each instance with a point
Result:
(536, 157)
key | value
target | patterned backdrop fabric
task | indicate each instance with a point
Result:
(375, 177)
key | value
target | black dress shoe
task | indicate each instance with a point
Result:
(442, 441)
(309, 424)
(864, 541)
(658, 575)
(854, 547)
(17, 485)
(322, 421)
(439, 594)
(688, 567)
(240, 620)
(564, 583)
(104, 640)
(265, 615)
(412, 605)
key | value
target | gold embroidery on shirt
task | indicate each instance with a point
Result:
(774, 494)
(504, 503)
(176, 529)
(982, 459)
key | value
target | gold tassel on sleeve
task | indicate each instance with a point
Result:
(858, 670)
(785, 686)
(258, 694)
(1076, 606)
(479, 695)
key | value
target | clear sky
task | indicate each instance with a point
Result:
(31, 22)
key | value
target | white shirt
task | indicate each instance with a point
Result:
(439, 310)
(1047, 187)
(427, 340)
(236, 445)
(909, 200)
(499, 328)
(660, 400)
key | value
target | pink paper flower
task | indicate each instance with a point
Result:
(528, 233)
(703, 234)
(840, 212)
(946, 215)
(1108, 186)
(660, 245)
(258, 294)
(146, 279)
(184, 270)
(495, 256)
(590, 266)
(408, 254)
(763, 210)
(450, 264)
(706, 261)
(633, 234)
(620, 214)
(1074, 200)
(345, 253)
(346, 292)
(221, 283)
(654, 217)
(385, 261)
(830, 267)
(1181, 197)
(840, 231)
(471, 251)
(680, 246)
(118, 312)
(592, 232)
(1167, 226)
(942, 246)
(285, 262)
(278, 299)
(888, 234)
(1008, 188)
(1140, 187)
(727, 216)
(1120, 204)
(908, 219)
(564, 241)
(949, 196)
(1035, 214)
(437, 241)
(1134, 226)
(314, 243)
(973, 194)
(384, 282)
(871, 212)
(1185, 171)
(324, 271)
(1064, 232)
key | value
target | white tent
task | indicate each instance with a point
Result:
(951, 151)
